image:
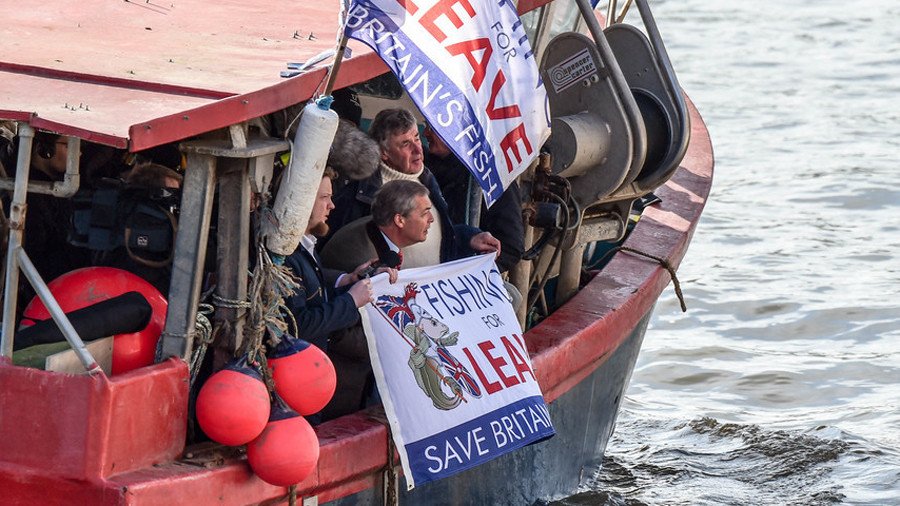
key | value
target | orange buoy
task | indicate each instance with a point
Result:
(304, 375)
(83, 287)
(233, 405)
(287, 451)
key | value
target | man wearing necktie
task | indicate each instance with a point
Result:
(402, 159)
(401, 217)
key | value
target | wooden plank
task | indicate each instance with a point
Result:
(67, 361)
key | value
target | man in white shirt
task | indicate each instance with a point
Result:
(326, 300)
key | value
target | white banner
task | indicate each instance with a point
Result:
(468, 66)
(452, 368)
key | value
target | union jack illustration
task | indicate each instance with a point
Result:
(397, 308)
(458, 372)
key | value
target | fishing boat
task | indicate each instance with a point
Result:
(138, 74)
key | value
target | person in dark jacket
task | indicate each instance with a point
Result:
(402, 158)
(327, 300)
(503, 219)
(402, 217)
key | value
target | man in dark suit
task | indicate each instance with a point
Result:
(402, 216)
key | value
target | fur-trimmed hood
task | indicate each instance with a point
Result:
(354, 155)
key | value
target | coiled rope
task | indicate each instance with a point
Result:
(270, 285)
(203, 337)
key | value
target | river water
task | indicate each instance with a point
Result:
(781, 383)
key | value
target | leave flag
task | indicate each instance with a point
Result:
(468, 66)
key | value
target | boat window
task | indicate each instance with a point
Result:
(531, 20)
(548, 21)
(563, 18)
(384, 86)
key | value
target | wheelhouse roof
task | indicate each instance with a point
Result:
(139, 73)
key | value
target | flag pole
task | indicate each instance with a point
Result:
(338, 58)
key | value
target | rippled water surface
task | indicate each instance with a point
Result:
(781, 384)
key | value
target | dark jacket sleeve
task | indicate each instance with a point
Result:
(462, 234)
(317, 318)
(504, 221)
(455, 245)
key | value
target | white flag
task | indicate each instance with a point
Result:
(452, 368)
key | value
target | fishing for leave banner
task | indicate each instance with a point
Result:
(452, 369)
(468, 66)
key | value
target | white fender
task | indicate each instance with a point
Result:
(297, 193)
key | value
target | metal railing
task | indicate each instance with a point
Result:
(17, 260)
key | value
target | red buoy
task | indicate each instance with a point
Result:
(287, 451)
(83, 287)
(304, 375)
(233, 405)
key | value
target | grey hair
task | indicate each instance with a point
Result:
(396, 197)
(390, 122)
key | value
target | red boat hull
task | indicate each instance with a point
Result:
(79, 440)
